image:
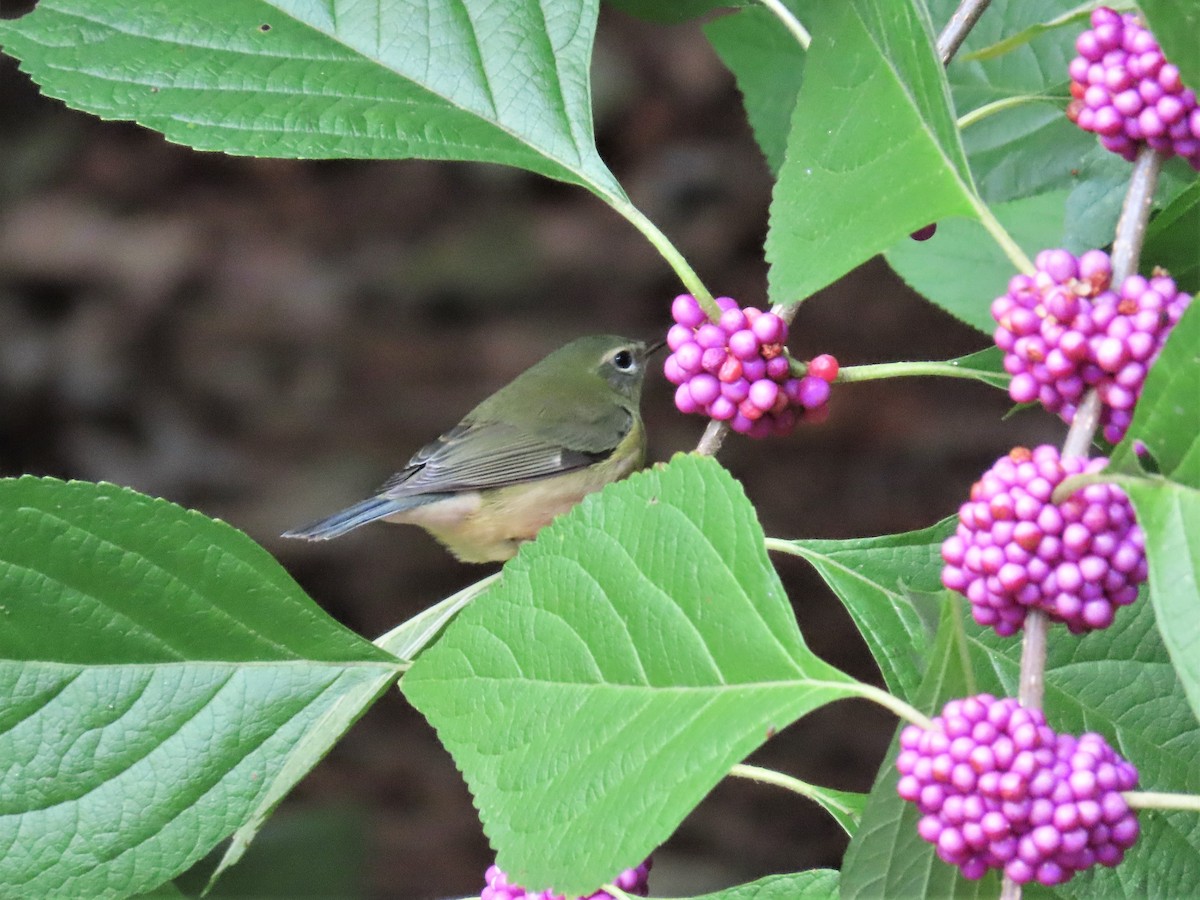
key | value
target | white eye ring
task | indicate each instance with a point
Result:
(624, 360)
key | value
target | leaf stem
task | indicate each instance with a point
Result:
(770, 776)
(877, 371)
(1161, 800)
(668, 251)
(959, 27)
(890, 702)
(990, 109)
(790, 22)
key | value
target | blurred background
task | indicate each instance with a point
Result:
(266, 341)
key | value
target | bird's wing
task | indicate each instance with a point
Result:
(480, 455)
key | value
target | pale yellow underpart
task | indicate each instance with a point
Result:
(489, 526)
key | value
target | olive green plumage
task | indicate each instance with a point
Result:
(558, 431)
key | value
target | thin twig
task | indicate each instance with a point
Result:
(1135, 213)
(713, 437)
(959, 27)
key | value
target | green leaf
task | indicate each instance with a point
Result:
(1169, 513)
(626, 660)
(873, 578)
(844, 806)
(886, 856)
(674, 12)
(1171, 240)
(159, 669)
(1176, 25)
(768, 64)
(986, 365)
(1167, 412)
(962, 271)
(874, 153)
(505, 83)
(814, 884)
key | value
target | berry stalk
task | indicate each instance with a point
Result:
(668, 251)
(1135, 214)
(1162, 800)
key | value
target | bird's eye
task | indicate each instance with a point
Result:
(623, 360)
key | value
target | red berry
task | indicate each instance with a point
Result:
(824, 367)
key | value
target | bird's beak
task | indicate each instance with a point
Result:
(655, 347)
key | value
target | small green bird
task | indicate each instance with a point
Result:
(558, 431)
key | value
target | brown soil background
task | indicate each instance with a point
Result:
(267, 340)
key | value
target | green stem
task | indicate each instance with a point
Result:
(1160, 800)
(891, 702)
(668, 251)
(790, 22)
(990, 109)
(877, 371)
(770, 776)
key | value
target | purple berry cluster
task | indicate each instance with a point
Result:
(998, 789)
(736, 370)
(1063, 330)
(1128, 94)
(1015, 549)
(631, 881)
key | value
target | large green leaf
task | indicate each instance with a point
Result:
(494, 82)
(626, 660)
(874, 152)
(815, 884)
(962, 271)
(768, 64)
(159, 669)
(1170, 515)
(875, 578)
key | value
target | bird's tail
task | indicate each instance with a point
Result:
(339, 523)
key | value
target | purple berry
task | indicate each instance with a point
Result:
(1051, 809)
(687, 312)
(1014, 549)
(737, 371)
(1063, 330)
(633, 881)
(1126, 92)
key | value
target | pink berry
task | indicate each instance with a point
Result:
(1126, 92)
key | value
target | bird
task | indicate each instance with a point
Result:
(560, 430)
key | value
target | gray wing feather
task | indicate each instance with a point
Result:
(495, 455)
